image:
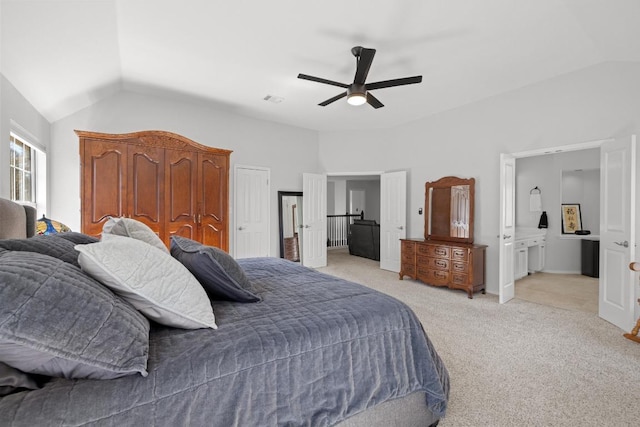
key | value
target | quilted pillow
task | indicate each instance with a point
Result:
(217, 271)
(150, 279)
(13, 380)
(57, 321)
(55, 245)
(129, 227)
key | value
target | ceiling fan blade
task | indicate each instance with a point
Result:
(364, 63)
(334, 99)
(319, 80)
(373, 101)
(394, 82)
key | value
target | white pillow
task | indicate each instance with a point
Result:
(151, 280)
(135, 229)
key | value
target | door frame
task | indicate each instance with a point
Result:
(555, 150)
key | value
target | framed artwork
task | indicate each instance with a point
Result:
(571, 218)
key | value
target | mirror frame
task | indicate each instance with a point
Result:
(282, 194)
(447, 182)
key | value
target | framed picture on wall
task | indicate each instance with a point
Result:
(571, 218)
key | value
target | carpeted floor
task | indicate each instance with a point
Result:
(520, 363)
(570, 291)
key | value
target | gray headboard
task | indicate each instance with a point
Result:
(16, 221)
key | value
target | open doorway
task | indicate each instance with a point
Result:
(616, 286)
(354, 199)
(550, 268)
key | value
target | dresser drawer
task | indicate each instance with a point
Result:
(408, 257)
(459, 254)
(434, 251)
(433, 277)
(459, 267)
(408, 248)
(433, 263)
(459, 279)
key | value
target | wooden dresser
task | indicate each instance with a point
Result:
(447, 255)
(442, 263)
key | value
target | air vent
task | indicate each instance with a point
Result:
(274, 99)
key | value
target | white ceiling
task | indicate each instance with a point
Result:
(64, 55)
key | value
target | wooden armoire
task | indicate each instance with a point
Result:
(173, 184)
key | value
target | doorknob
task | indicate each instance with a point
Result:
(625, 244)
(307, 226)
(401, 228)
(241, 228)
(504, 236)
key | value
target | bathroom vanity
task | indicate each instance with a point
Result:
(529, 256)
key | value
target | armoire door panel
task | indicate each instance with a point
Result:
(181, 178)
(213, 187)
(211, 182)
(103, 181)
(146, 186)
(212, 236)
(187, 230)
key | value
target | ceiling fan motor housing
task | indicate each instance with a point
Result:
(356, 89)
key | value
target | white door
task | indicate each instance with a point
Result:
(617, 231)
(507, 227)
(252, 212)
(393, 218)
(314, 220)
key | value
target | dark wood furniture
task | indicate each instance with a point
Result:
(447, 256)
(440, 263)
(171, 183)
(291, 248)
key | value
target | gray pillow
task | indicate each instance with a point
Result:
(217, 271)
(128, 227)
(13, 380)
(153, 282)
(56, 245)
(57, 321)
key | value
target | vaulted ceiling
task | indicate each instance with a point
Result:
(64, 55)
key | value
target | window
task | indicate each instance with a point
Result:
(22, 170)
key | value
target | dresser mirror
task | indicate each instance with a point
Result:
(449, 208)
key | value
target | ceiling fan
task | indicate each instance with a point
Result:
(358, 92)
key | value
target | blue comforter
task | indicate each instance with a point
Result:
(315, 351)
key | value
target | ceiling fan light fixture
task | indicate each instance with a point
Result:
(356, 95)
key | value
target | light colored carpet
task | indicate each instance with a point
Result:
(520, 363)
(569, 291)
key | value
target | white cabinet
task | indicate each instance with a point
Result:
(529, 254)
(521, 260)
(536, 254)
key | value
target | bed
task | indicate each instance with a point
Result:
(314, 350)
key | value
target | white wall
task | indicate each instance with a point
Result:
(591, 104)
(545, 172)
(14, 107)
(286, 150)
(372, 196)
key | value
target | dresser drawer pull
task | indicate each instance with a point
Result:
(441, 263)
(440, 251)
